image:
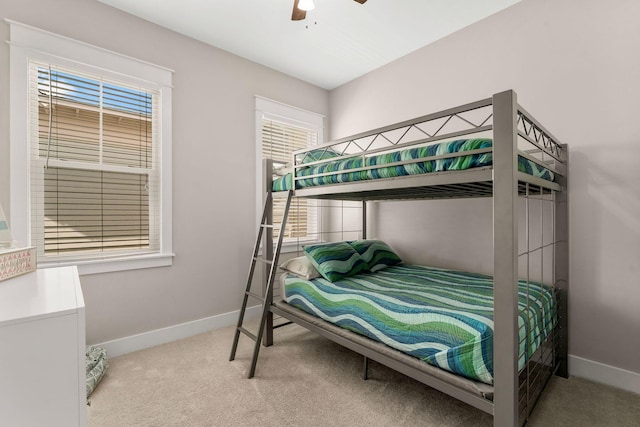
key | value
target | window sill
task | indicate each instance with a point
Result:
(107, 265)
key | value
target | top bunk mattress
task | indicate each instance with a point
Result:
(443, 317)
(350, 164)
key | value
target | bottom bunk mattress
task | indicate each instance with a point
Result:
(443, 317)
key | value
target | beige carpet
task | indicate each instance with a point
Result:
(305, 380)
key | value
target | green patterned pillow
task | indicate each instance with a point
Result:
(335, 261)
(316, 154)
(376, 253)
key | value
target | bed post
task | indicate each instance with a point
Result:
(562, 262)
(267, 248)
(364, 219)
(365, 366)
(505, 259)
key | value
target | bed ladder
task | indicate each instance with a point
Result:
(265, 224)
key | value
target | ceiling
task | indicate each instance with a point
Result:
(339, 40)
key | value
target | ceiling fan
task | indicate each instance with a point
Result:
(300, 8)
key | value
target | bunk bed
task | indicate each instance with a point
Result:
(490, 148)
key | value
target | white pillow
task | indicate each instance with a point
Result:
(301, 267)
(283, 170)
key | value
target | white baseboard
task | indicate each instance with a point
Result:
(578, 367)
(125, 345)
(605, 374)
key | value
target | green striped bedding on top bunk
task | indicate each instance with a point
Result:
(284, 183)
(444, 317)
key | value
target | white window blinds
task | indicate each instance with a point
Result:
(279, 141)
(94, 165)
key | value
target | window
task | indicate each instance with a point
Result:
(283, 130)
(92, 182)
(94, 172)
(279, 141)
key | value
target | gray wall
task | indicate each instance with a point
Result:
(575, 66)
(213, 137)
(573, 63)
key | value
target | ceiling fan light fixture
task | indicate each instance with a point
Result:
(306, 5)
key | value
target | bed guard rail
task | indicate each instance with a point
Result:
(533, 141)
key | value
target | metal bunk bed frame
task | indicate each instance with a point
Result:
(514, 392)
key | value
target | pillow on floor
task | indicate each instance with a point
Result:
(96, 366)
(335, 261)
(301, 267)
(376, 253)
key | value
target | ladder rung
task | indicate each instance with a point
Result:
(247, 333)
(266, 225)
(265, 261)
(254, 295)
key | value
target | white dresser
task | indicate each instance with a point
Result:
(42, 350)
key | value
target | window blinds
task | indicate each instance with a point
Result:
(279, 141)
(94, 165)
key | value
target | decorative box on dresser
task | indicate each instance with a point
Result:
(42, 350)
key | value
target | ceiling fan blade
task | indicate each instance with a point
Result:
(361, 1)
(298, 14)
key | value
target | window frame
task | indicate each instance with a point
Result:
(269, 109)
(28, 43)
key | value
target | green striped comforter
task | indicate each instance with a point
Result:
(453, 163)
(443, 317)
